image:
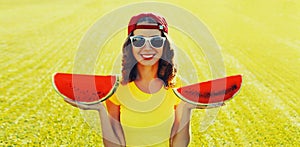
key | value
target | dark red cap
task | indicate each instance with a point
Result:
(162, 23)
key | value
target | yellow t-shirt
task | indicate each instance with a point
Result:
(146, 119)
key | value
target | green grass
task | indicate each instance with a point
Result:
(259, 40)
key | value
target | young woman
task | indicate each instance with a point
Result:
(144, 110)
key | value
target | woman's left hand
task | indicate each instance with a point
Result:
(98, 106)
(193, 106)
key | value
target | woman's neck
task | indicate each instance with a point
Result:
(147, 73)
(147, 80)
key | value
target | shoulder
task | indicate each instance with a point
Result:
(120, 91)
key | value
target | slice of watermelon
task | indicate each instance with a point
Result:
(210, 93)
(85, 89)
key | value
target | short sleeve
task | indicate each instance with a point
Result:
(177, 100)
(114, 99)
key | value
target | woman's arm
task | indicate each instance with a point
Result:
(110, 138)
(180, 135)
(114, 112)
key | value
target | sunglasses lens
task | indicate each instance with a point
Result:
(138, 41)
(157, 42)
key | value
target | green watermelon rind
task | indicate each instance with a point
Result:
(109, 94)
(206, 105)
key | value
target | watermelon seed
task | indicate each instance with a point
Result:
(209, 94)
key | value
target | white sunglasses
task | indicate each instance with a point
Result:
(140, 41)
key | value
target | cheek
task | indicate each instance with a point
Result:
(135, 53)
(160, 52)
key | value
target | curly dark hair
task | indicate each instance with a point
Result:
(166, 68)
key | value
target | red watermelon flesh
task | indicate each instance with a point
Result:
(210, 92)
(86, 89)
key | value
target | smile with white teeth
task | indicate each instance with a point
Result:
(147, 56)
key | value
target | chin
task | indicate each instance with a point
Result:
(149, 62)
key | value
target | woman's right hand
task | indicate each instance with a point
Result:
(109, 128)
(98, 106)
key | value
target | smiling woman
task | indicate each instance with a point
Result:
(152, 118)
(144, 111)
(138, 49)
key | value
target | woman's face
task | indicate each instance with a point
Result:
(147, 55)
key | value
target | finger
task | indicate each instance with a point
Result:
(209, 106)
(70, 102)
(76, 104)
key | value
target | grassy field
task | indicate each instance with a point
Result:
(259, 39)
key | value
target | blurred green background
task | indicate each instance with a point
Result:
(259, 39)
